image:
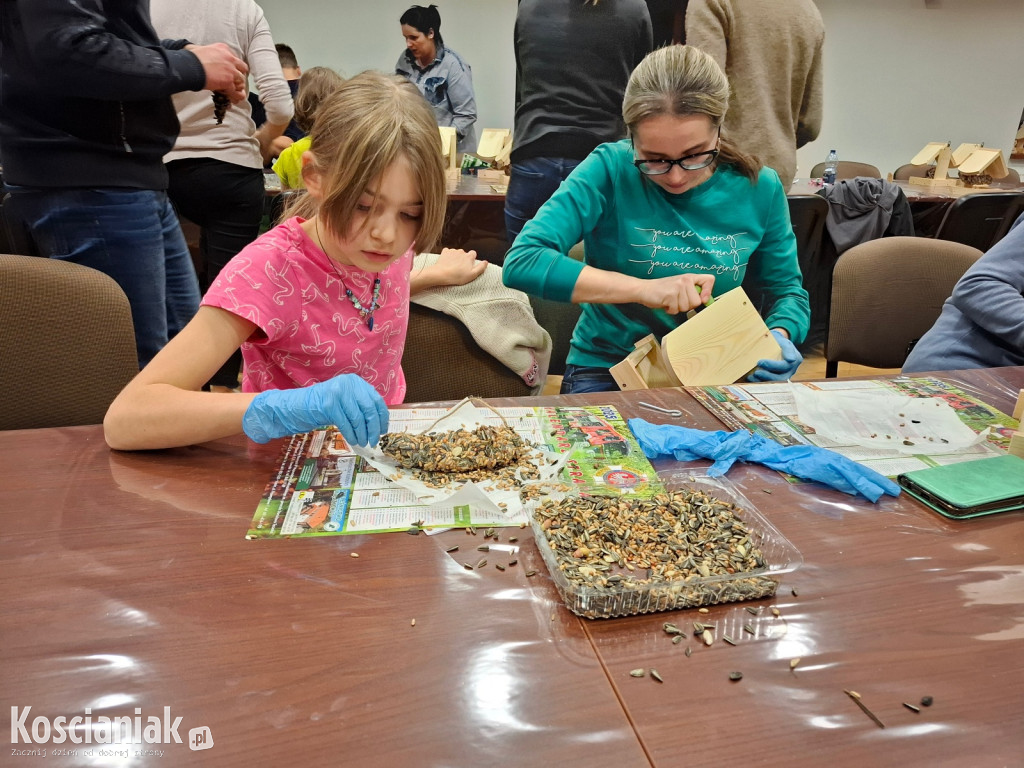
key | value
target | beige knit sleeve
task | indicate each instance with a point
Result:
(709, 26)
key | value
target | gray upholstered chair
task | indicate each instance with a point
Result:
(885, 294)
(67, 341)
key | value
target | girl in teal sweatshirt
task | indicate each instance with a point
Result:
(666, 217)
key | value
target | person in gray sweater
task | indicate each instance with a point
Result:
(771, 52)
(982, 323)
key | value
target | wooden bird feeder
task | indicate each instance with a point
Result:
(718, 345)
(985, 163)
(937, 152)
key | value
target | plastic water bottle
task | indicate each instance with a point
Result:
(828, 176)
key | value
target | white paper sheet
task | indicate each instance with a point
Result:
(884, 420)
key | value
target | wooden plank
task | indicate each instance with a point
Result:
(644, 368)
(985, 160)
(721, 343)
(449, 144)
(929, 153)
(492, 141)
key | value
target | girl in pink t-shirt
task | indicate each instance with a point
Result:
(320, 304)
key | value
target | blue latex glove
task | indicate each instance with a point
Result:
(806, 461)
(778, 370)
(346, 401)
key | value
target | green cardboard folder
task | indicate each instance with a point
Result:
(970, 488)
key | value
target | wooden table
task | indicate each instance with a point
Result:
(128, 583)
(475, 218)
(928, 204)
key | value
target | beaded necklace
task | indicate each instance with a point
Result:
(365, 313)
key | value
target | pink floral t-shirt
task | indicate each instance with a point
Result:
(309, 331)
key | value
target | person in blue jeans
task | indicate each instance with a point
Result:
(567, 104)
(85, 120)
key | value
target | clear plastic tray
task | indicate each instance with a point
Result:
(636, 593)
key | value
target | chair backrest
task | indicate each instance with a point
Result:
(981, 220)
(67, 341)
(904, 172)
(848, 169)
(443, 362)
(886, 293)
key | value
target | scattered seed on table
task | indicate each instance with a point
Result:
(729, 640)
(749, 628)
(512, 562)
(499, 566)
(702, 610)
(776, 612)
(754, 610)
(927, 701)
(677, 639)
(688, 651)
(656, 676)
(484, 548)
(482, 563)
(706, 637)
(911, 707)
(794, 662)
(863, 707)
(795, 592)
(734, 676)
(767, 491)
(513, 540)
(453, 549)
(468, 566)
(531, 573)
(412, 623)
(637, 673)
(353, 554)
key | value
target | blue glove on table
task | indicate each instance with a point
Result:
(778, 370)
(806, 461)
(346, 401)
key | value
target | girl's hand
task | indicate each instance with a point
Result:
(346, 401)
(457, 267)
(679, 293)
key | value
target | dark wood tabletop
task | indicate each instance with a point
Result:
(916, 192)
(128, 583)
(472, 187)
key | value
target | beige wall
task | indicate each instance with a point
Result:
(898, 73)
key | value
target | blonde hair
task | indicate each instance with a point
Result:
(683, 80)
(361, 129)
(315, 85)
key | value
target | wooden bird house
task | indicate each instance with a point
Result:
(718, 345)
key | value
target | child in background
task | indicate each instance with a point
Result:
(315, 86)
(320, 304)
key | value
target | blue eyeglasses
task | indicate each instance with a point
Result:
(693, 162)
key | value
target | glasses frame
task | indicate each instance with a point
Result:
(710, 156)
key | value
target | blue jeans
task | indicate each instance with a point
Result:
(580, 379)
(531, 182)
(132, 235)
